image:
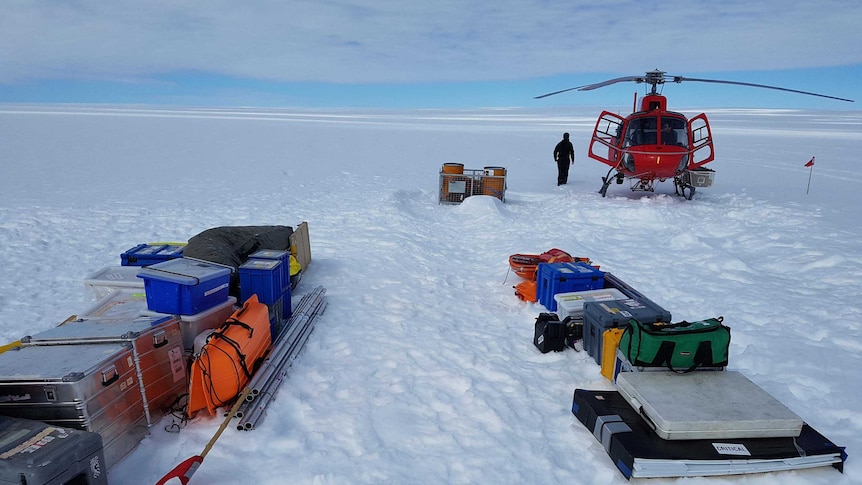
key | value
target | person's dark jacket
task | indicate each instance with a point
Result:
(564, 151)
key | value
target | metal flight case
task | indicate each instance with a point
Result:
(157, 353)
(92, 387)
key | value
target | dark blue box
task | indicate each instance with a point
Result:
(147, 254)
(283, 256)
(263, 277)
(553, 278)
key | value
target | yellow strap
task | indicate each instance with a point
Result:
(10, 346)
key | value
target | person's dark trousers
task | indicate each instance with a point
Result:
(562, 171)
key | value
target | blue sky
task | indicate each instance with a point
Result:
(446, 53)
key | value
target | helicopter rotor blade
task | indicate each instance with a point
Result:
(678, 79)
(658, 77)
(557, 92)
(589, 87)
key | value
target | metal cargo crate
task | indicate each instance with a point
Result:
(699, 177)
(93, 387)
(157, 353)
(456, 186)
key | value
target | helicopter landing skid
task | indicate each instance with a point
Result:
(607, 180)
(682, 188)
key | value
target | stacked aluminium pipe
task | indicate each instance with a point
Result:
(289, 342)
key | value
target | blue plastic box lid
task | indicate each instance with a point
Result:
(260, 264)
(271, 254)
(184, 271)
(146, 254)
(570, 270)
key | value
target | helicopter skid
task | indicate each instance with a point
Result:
(681, 187)
(637, 184)
(682, 184)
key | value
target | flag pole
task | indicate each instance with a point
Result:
(810, 166)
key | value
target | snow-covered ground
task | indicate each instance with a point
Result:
(422, 369)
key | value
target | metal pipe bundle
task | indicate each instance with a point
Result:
(287, 346)
(258, 407)
(309, 306)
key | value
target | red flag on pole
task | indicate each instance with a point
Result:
(810, 162)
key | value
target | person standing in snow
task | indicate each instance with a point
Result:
(564, 154)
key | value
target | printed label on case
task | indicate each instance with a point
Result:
(731, 449)
(178, 370)
(216, 289)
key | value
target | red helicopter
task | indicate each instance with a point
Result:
(654, 144)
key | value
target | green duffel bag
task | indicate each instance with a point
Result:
(681, 347)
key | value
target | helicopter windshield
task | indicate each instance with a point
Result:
(643, 131)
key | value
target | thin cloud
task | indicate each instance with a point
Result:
(392, 41)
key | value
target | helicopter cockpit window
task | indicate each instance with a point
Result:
(673, 132)
(641, 131)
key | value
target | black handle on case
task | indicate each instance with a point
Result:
(160, 340)
(113, 379)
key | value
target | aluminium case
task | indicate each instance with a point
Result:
(157, 353)
(706, 405)
(92, 387)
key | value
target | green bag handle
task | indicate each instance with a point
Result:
(684, 323)
(702, 355)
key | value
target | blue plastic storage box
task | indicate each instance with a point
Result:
(284, 257)
(553, 278)
(147, 254)
(185, 286)
(261, 277)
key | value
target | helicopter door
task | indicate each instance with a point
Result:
(702, 151)
(607, 138)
